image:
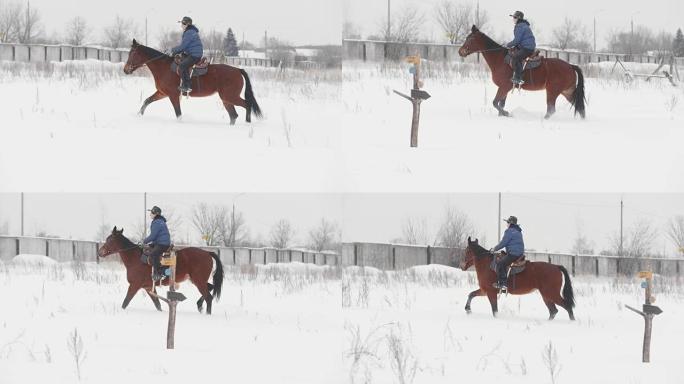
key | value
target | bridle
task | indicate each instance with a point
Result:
(133, 68)
(120, 250)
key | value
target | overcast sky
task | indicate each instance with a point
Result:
(297, 21)
(543, 14)
(549, 221)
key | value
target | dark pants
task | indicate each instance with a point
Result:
(519, 55)
(186, 63)
(155, 253)
(502, 266)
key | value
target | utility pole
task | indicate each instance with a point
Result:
(232, 227)
(621, 212)
(389, 31)
(266, 44)
(27, 31)
(145, 213)
(477, 15)
(594, 34)
(498, 220)
(146, 42)
(22, 213)
(631, 40)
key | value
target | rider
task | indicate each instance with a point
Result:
(191, 48)
(159, 239)
(515, 247)
(524, 42)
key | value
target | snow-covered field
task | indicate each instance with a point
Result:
(410, 327)
(64, 121)
(279, 323)
(630, 141)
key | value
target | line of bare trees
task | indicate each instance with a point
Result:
(453, 231)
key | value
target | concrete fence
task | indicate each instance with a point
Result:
(36, 53)
(370, 50)
(70, 250)
(396, 257)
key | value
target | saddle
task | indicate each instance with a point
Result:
(146, 259)
(516, 267)
(199, 69)
(531, 62)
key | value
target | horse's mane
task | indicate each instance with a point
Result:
(151, 52)
(489, 42)
(125, 241)
(479, 250)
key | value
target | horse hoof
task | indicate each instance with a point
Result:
(468, 311)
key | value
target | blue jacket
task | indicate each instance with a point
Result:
(512, 241)
(191, 43)
(522, 36)
(159, 232)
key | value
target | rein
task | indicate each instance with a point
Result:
(122, 250)
(148, 61)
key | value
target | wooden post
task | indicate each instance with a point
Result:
(171, 330)
(417, 96)
(649, 311)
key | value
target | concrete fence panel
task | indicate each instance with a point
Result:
(37, 53)
(227, 256)
(283, 256)
(564, 260)
(61, 250)
(33, 246)
(80, 53)
(607, 266)
(6, 52)
(271, 255)
(87, 251)
(445, 256)
(8, 248)
(242, 256)
(21, 53)
(92, 53)
(348, 254)
(374, 255)
(67, 52)
(406, 256)
(586, 265)
(53, 53)
(297, 256)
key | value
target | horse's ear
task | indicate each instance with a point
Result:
(476, 241)
(135, 43)
(114, 230)
(474, 29)
(469, 241)
(121, 230)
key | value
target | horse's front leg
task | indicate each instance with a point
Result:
(175, 101)
(155, 96)
(477, 292)
(491, 295)
(500, 100)
(132, 289)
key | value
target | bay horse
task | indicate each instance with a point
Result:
(191, 263)
(221, 78)
(545, 277)
(555, 75)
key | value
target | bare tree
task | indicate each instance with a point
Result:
(404, 26)
(10, 23)
(350, 31)
(455, 229)
(582, 245)
(207, 223)
(77, 31)
(281, 234)
(120, 32)
(571, 34)
(213, 45)
(29, 25)
(637, 241)
(455, 19)
(628, 42)
(415, 231)
(675, 231)
(232, 230)
(324, 236)
(169, 39)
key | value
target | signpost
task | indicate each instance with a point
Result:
(648, 312)
(172, 298)
(417, 96)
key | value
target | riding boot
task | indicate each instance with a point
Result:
(158, 275)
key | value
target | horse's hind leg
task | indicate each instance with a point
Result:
(235, 100)
(231, 111)
(477, 292)
(155, 96)
(491, 295)
(200, 302)
(551, 96)
(203, 288)
(552, 308)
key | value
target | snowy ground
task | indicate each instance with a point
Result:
(274, 324)
(410, 327)
(630, 141)
(82, 117)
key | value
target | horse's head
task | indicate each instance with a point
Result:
(469, 254)
(473, 43)
(136, 58)
(114, 243)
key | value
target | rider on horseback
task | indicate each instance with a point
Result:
(515, 247)
(524, 42)
(191, 48)
(159, 239)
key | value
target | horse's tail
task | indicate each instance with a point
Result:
(578, 98)
(249, 95)
(568, 293)
(218, 276)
